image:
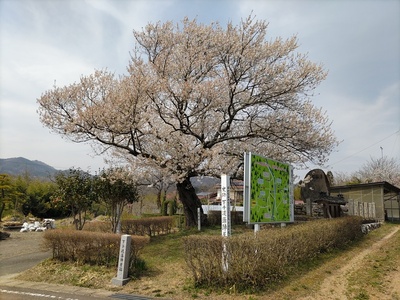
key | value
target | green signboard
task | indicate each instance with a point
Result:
(268, 192)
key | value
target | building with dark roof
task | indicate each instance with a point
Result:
(384, 195)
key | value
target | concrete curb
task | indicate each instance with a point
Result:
(10, 281)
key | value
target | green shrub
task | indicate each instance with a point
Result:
(256, 260)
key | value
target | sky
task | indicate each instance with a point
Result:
(43, 42)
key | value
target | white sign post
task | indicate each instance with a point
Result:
(225, 206)
(198, 219)
(123, 262)
(225, 219)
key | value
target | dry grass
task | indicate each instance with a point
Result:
(54, 271)
(339, 275)
(166, 274)
(379, 278)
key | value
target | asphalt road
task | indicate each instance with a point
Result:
(20, 252)
(19, 293)
(23, 250)
(21, 263)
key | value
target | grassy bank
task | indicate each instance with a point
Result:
(166, 275)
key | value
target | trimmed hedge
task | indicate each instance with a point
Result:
(256, 260)
(148, 226)
(90, 247)
(214, 217)
(98, 226)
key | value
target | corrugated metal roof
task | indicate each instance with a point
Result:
(386, 185)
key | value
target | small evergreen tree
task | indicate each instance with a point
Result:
(75, 192)
(116, 188)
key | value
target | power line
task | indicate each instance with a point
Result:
(374, 144)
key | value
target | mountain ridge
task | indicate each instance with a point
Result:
(19, 166)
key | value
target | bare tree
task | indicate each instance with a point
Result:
(197, 96)
(343, 178)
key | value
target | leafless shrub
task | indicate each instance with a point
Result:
(214, 217)
(256, 260)
(90, 247)
(98, 226)
(148, 226)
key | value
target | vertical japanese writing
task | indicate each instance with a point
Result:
(225, 206)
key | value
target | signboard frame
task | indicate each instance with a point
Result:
(268, 190)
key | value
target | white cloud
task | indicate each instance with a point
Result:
(364, 127)
(358, 42)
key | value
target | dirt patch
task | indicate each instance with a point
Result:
(394, 283)
(335, 286)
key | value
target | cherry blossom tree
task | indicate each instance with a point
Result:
(344, 178)
(196, 97)
(380, 169)
(374, 170)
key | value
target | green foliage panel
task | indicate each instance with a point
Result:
(270, 191)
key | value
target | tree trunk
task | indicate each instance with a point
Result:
(3, 205)
(190, 202)
(158, 201)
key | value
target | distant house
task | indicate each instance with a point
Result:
(212, 201)
(385, 196)
(207, 197)
(235, 192)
